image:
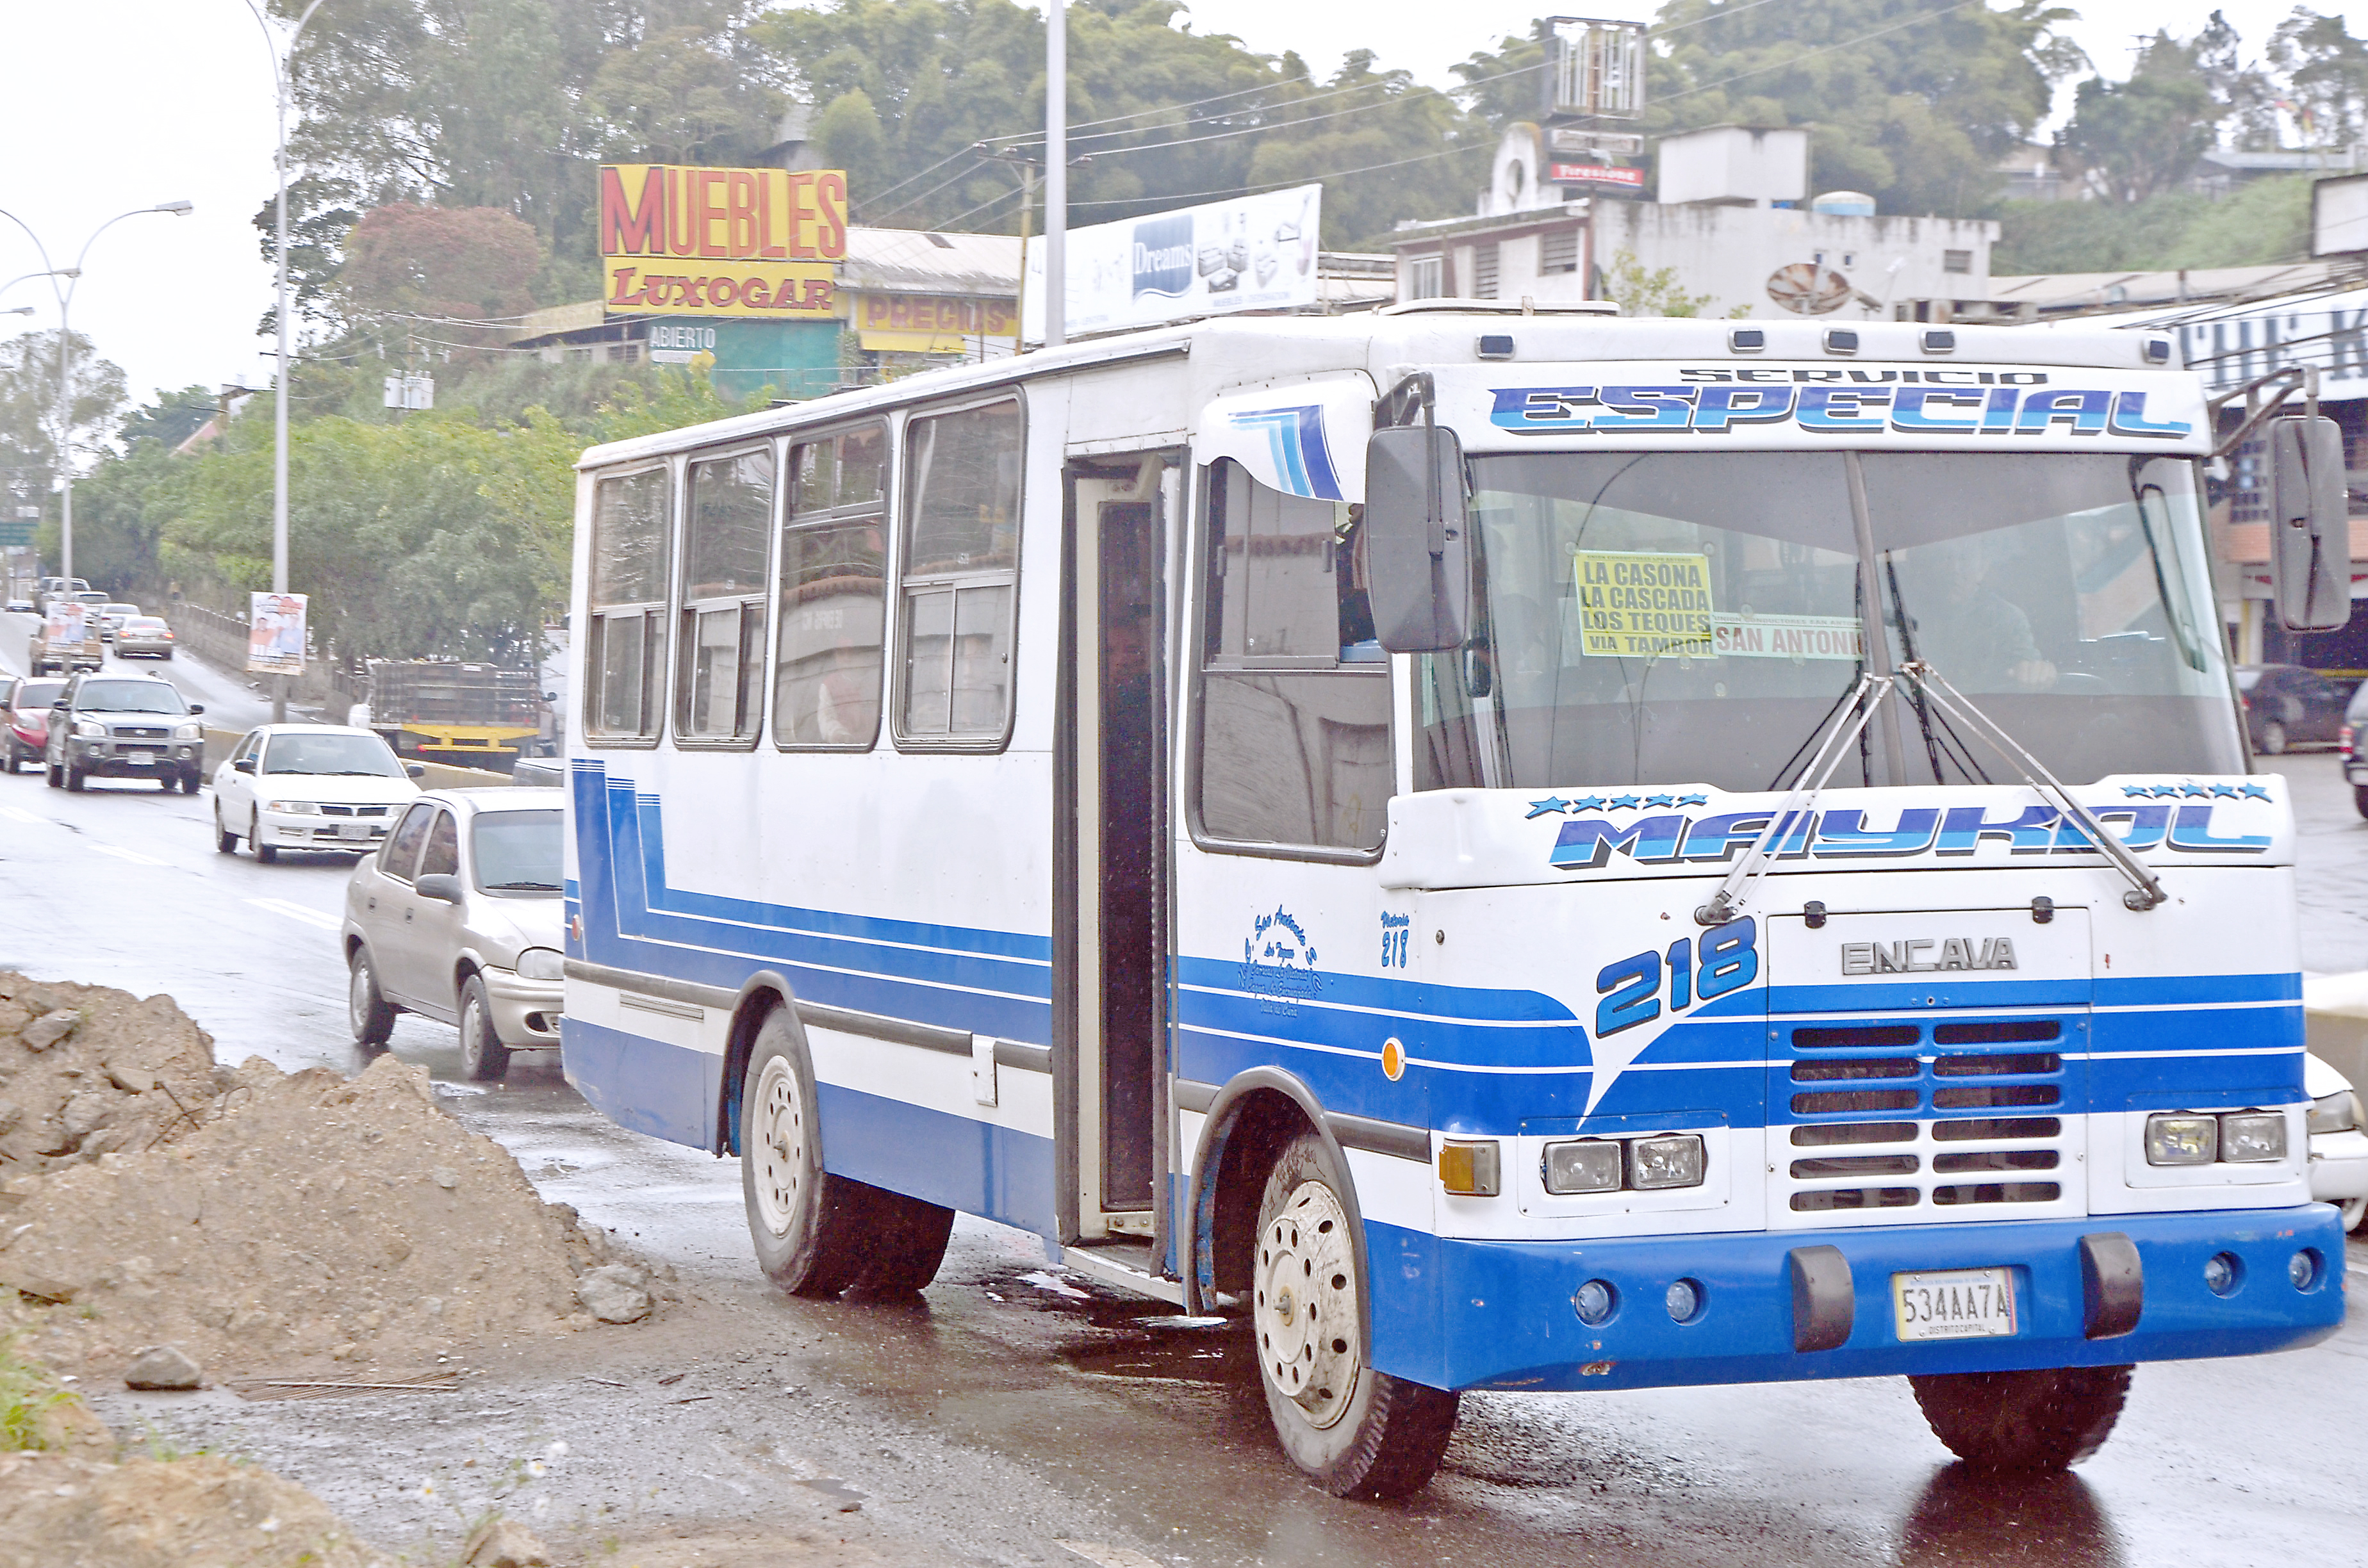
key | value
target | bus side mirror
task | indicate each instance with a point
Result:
(2310, 525)
(1416, 525)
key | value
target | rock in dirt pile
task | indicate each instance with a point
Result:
(86, 1070)
(72, 1513)
(310, 1222)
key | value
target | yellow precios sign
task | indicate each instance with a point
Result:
(678, 241)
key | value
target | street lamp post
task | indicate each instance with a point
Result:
(283, 65)
(72, 275)
(1057, 172)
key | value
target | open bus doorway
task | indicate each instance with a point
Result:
(1110, 904)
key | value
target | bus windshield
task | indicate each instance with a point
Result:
(1693, 618)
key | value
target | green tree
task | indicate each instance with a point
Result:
(2138, 138)
(32, 434)
(2325, 71)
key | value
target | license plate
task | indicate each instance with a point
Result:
(1957, 1303)
(138, 759)
(353, 830)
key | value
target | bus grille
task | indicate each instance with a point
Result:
(1894, 1122)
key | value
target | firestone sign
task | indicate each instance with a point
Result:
(706, 241)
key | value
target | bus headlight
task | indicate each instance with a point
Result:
(1591, 1164)
(2178, 1139)
(1657, 1163)
(2253, 1137)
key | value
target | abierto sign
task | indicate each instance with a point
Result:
(709, 242)
(1254, 253)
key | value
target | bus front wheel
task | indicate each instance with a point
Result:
(1357, 1432)
(2047, 1419)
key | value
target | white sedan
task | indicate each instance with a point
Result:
(2339, 1142)
(310, 787)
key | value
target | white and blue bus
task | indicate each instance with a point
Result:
(1509, 850)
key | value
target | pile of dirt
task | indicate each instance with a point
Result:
(67, 1512)
(311, 1220)
(86, 1070)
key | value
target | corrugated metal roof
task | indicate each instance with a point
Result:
(917, 261)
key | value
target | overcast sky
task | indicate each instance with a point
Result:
(120, 104)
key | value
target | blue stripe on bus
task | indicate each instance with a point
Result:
(1480, 1058)
(976, 1168)
(648, 1085)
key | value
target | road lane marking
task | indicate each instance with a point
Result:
(18, 813)
(133, 856)
(313, 917)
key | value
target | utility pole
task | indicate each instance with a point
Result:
(1057, 172)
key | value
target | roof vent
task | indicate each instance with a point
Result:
(1495, 345)
(1747, 339)
(2157, 351)
(940, 241)
(1841, 340)
(1940, 340)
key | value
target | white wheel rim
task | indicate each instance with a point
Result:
(1306, 1306)
(775, 1128)
(472, 1024)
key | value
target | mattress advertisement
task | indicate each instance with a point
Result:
(1253, 253)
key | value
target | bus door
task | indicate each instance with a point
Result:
(1111, 857)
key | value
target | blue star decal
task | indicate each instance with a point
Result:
(2225, 792)
(1660, 799)
(1625, 803)
(1694, 799)
(2194, 791)
(2166, 791)
(2136, 792)
(1592, 803)
(1550, 806)
(2253, 792)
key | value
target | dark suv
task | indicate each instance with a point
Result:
(125, 727)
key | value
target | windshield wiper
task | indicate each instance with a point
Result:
(1860, 702)
(522, 887)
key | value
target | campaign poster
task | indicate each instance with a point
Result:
(275, 634)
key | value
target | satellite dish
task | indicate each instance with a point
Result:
(1808, 290)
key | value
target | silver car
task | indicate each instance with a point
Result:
(458, 917)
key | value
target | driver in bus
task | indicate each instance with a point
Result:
(1974, 636)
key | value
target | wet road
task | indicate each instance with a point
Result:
(1018, 1416)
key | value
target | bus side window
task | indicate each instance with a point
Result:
(625, 668)
(834, 592)
(720, 661)
(1295, 695)
(960, 575)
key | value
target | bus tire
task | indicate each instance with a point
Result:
(1357, 1432)
(810, 1227)
(2359, 799)
(908, 1243)
(2048, 1419)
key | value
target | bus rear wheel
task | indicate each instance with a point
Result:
(808, 1226)
(2048, 1419)
(1357, 1432)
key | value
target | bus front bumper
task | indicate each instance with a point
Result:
(1507, 1320)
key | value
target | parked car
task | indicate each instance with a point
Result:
(310, 787)
(2339, 1143)
(28, 721)
(2347, 741)
(2286, 706)
(111, 617)
(125, 727)
(20, 606)
(143, 636)
(457, 919)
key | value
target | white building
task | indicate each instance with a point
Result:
(1731, 223)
